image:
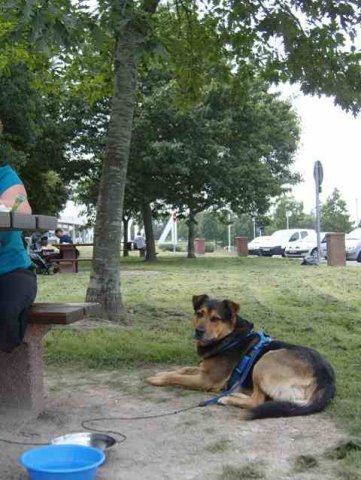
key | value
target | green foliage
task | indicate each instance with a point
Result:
(34, 139)
(288, 205)
(334, 214)
(42, 26)
(213, 227)
(315, 41)
(194, 52)
(233, 147)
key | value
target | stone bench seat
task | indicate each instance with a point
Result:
(22, 370)
(60, 313)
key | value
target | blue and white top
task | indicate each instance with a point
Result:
(12, 252)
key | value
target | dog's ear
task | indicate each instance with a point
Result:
(231, 308)
(244, 325)
(198, 300)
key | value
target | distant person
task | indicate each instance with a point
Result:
(139, 244)
(63, 237)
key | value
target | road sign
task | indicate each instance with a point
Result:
(318, 174)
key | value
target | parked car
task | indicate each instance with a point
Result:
(254, 245)
(353, 245)
(307, 246)
(276, 243)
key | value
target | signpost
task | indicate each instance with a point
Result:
(318, 175)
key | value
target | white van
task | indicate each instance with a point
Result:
(276, 243)
(307, 246)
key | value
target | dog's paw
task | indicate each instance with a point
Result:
(223, 401)
(156, 380)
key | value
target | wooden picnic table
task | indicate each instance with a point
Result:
(69, 257)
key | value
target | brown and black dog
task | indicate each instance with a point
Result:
(286, 380)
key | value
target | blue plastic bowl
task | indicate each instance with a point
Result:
(62, 462)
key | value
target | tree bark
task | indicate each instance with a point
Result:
(191, 234)
(104, 285)
(150, 253)
(125, 237)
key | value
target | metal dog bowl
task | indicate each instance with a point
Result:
(97, 440)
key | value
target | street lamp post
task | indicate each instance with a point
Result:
(357, 212)
(288, 215)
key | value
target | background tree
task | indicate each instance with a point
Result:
(233, 148)
(334, 214)
(287, 206)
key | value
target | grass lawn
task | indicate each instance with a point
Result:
(316, 306)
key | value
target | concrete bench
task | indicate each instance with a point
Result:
(22, 371)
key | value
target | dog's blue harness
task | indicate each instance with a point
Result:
(243, 368)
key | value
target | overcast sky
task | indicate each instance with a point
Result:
(333, 137)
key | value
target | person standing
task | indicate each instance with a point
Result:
(18, 286)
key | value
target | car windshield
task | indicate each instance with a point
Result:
(281, 235)
(354, 235)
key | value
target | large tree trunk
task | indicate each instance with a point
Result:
(104, 285)
(125, 237)
(191, 234)
(150, 253)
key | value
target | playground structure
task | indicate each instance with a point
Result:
(170, 228)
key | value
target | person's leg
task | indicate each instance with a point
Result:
(17, 293)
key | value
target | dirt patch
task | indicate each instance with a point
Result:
(209, 443)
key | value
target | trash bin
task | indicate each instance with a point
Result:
(242, 246)
(199, 246)
(336, 250)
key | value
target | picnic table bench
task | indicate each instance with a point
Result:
(69, 258)
(22, 370)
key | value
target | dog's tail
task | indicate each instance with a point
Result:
(272, 409)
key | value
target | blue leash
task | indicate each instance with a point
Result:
(241, 371)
